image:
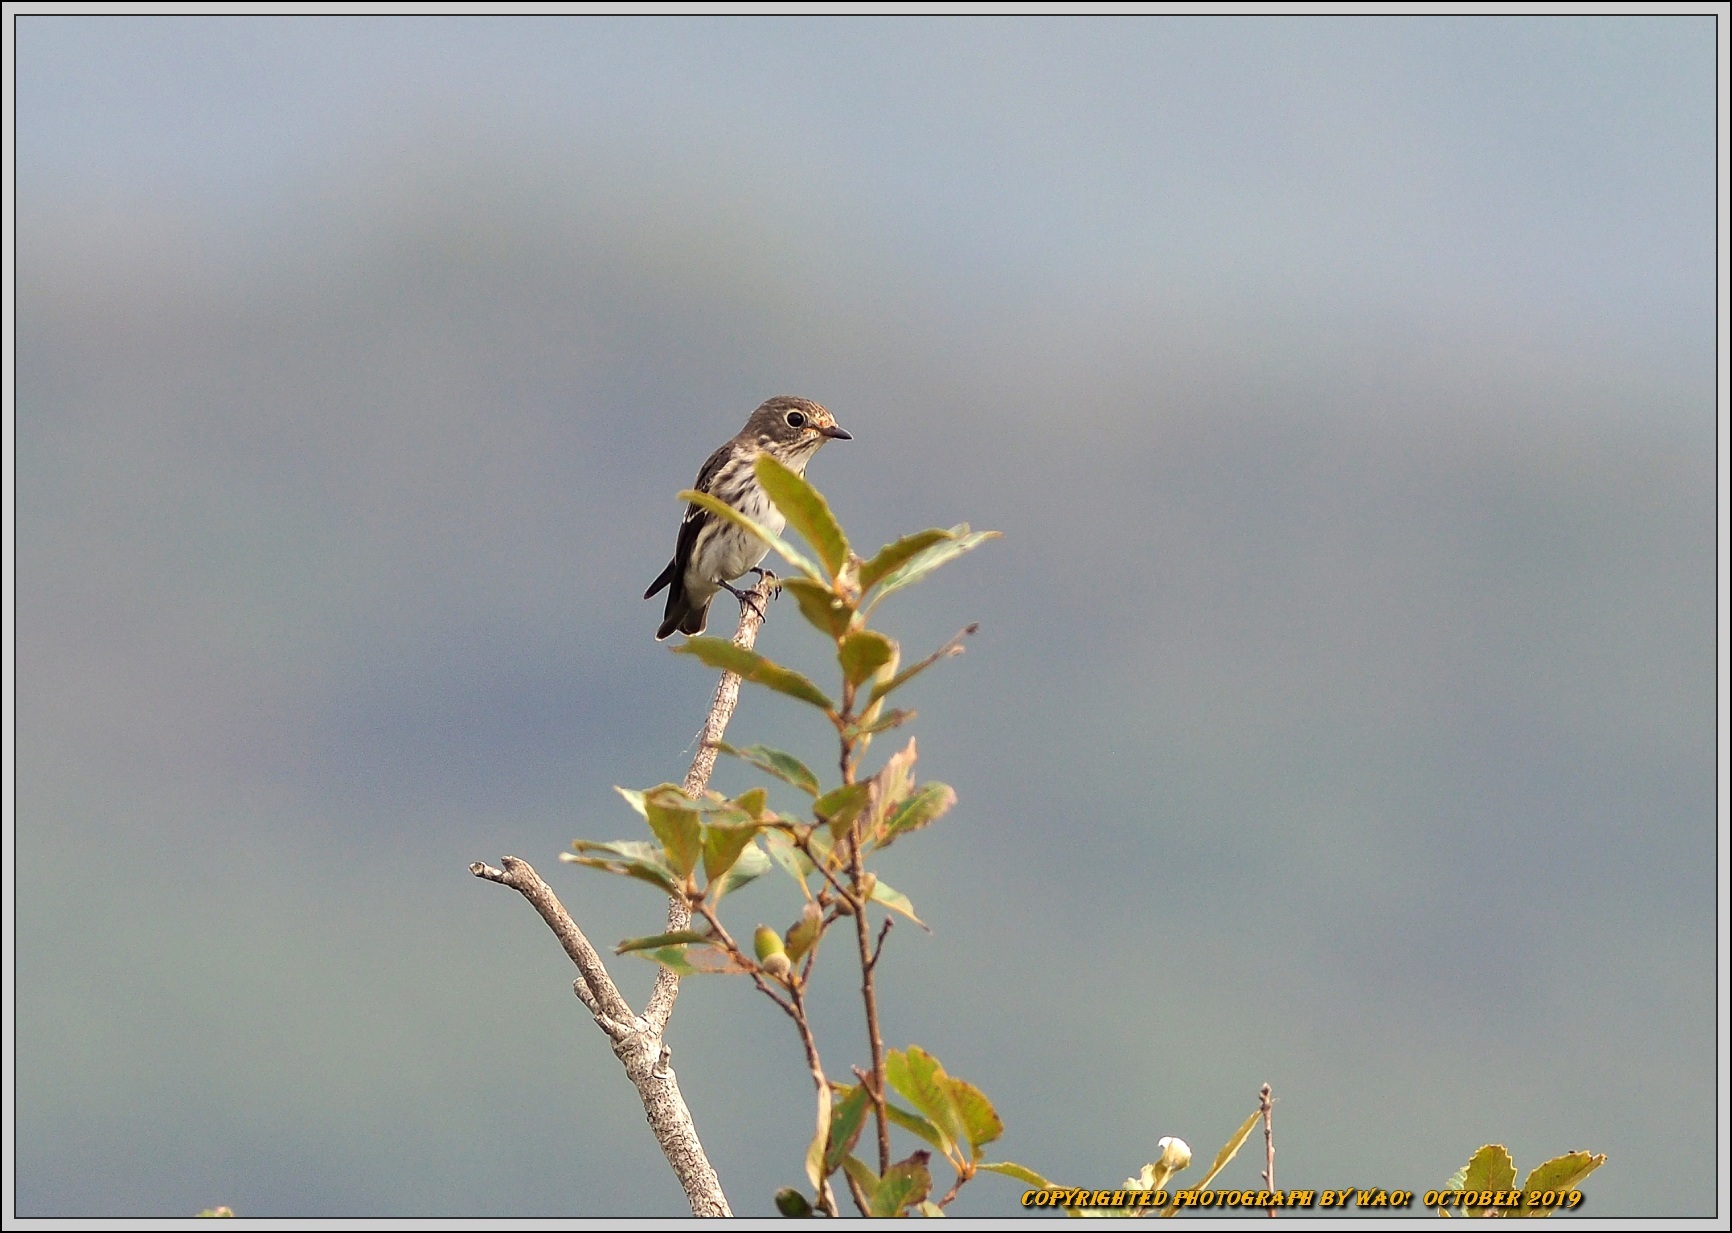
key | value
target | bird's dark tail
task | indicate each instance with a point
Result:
(662, 579)
(683, 615)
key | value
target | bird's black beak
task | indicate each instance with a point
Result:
(837, 433)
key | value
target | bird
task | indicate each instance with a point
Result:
(711, 551)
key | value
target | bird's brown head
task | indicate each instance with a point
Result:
(792, 429)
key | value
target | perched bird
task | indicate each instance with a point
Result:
(711, 551)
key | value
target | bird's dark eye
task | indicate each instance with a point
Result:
(796, 419)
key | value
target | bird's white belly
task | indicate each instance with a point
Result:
(728, 550)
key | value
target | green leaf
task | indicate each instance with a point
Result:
(791, 1202)
(784, 766)
(723, 844)
(678, 938)
(890, 719)
(681, 835)
(1020, 1172)
(862, 653)
(1566, 1172)
(751, 666)
(862, 1175)
(692, 960)
(915, 1125)
(1223, 1156)
(903, 1185)
(619, 849)
(792, 555)
(751, 864)
(815, 1151)
(917, 1075)
(931, 802)
(949, 649)
(751, 802)
(930, 1210)
(633, 798)
(790, 858)
(805, 509)
(896, 901)
(846, 1121)
(823, 609)
(891, 785)
(1490, 1168)
(838, 807)
(649, 867)
(929, 559)
(891, 556)
(979, 1119)
(803, 933)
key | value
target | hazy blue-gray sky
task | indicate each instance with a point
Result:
(1342, 714)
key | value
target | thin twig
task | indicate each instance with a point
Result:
(879, 949)
(1267, 1104)
(869, 994)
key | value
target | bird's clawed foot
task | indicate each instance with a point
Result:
(747, 600)
(768, 576)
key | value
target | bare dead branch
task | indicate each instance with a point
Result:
(667, 986)
(636, 1043)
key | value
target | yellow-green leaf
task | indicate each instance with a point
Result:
(815, 1151)
(681, 835)
(891, 785)
(723, 844)
(862, 653)
(862, 1175)
(784, 766)
(632, 858)
(838, 807)
(749, 865)
(917, 1075)
(692, 960)
(845, 1123)
(880, 723)
(803, 933)
(979, 1119)
(1021, 1173)
(924, 562)
(1490, 1168)
(896, 901)
(931, 802)
(751, 666)
(790, 858)
(678, 938)
(1566, 1172)
(805, 509)
(822, 608)
(915, 1125)
(896, 554)
(792, 555)
(903, 1185)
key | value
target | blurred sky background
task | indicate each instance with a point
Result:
(1342, 713)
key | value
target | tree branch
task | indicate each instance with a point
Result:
(667, 986)
(637, 1042)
